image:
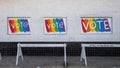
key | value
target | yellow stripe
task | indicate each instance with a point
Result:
(17, 25)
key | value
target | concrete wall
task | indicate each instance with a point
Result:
(72, 9)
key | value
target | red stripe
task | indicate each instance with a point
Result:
(12, 26)
(85, 25)
(47, 24)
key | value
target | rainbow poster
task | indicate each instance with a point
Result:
(55, 25)
(96, 24)
(18, 25)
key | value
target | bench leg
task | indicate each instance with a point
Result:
(65, 56)
(19, 53)
(83, 56)
(0, 57)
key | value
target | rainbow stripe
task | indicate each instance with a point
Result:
(54, 25)
(95, 25)
(18, 25)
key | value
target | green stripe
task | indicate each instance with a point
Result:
(20, 25)
(96, 28)
(55, 25)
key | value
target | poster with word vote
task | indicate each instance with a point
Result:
(18, 25)
(55, 25)
(96, 24)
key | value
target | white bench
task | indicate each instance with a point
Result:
(19, 50)
(83, 52)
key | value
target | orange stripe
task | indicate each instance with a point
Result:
(91, 24)
(52, 25)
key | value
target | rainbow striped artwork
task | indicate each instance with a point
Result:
(18, 25)
(55, 25)
(96, 24)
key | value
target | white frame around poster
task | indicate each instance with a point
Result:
(55, 27)
(20, 27)
(102, 25)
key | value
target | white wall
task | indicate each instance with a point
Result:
(72, 9)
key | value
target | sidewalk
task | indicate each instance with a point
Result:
(57, 62)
